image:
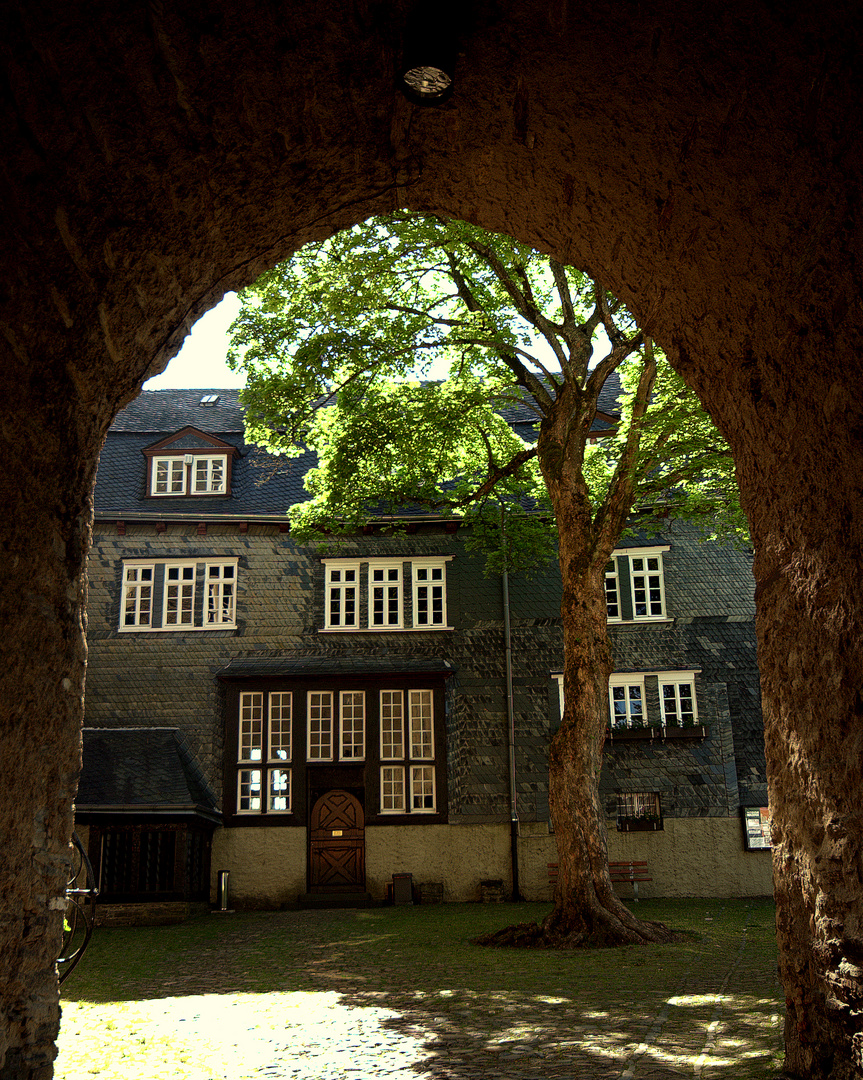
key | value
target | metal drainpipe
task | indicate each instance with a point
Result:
(510, 712)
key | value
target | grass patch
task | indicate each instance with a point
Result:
(417, 964)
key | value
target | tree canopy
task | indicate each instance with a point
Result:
(416, 356)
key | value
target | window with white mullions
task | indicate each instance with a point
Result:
(165, 594)
(353, 725)
(251, 742)
(612, 592)
(429, 594)
(279, 793)
(169, 476)
(422, 788)
(209, 475)
(249, 791)
(626, 699)
(221, 595)
(385, 596)
(179, 600)
(648, 594)
(280, 726)
(678, 703)
(393, 789)
(421, 724)
(320, 725)
(342, 599)
(260, 738)
(392, 724)
(137, 600)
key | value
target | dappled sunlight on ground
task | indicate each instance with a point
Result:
(403, 995)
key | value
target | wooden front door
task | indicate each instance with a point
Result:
(337, 852)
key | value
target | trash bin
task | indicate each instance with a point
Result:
(403, 889)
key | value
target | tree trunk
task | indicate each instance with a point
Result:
(586, 909)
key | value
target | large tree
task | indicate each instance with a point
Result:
(341, 346)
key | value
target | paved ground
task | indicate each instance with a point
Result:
(708, 1012)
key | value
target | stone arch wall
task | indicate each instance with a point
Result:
(704, 163)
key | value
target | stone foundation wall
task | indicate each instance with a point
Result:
(155, 914)
(688, 857)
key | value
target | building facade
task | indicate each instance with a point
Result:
(345, 709)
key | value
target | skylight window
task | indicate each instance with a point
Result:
(209, 399)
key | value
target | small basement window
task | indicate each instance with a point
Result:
(638, 811)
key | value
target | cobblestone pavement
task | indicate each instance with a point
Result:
(718, 1017)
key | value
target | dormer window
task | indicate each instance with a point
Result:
(189, 475)
(190, 463)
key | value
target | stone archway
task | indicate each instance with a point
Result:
(705, 163)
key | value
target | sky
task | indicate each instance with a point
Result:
(201, 361)
(200, 364)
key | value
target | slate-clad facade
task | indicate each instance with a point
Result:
(347, 706)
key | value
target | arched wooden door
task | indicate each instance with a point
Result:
(337, 851)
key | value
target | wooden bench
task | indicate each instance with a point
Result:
(630, 872)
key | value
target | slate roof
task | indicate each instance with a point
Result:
(261, 484)
(142, 770)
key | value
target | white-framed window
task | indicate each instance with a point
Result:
(209, 475)
(179, 595)
(164, 595)
(352, 723)
(422, 789)
(385, 596)
(168, 476)
(136, 604)
(627, 695)
(342, 602)
(249, 791)
(320, 725)
(370, 594)
(189, 474)
(281, 709)
(429, 592)
(392, 725)
(421, 724)
(251, 743)
(648, 586)
(279, 798)
(261, 738)
(627, 701)
(612, 592)
(392, 789)
(635, 584)
(408, 778)
(221, 593)
(677, 700)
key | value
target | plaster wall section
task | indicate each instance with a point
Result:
(702, 857)
(460, 857)
(267, 866)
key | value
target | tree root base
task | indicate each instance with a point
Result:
(536, 936)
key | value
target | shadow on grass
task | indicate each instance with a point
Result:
(404, 987)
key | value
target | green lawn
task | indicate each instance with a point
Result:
(708, 1006)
